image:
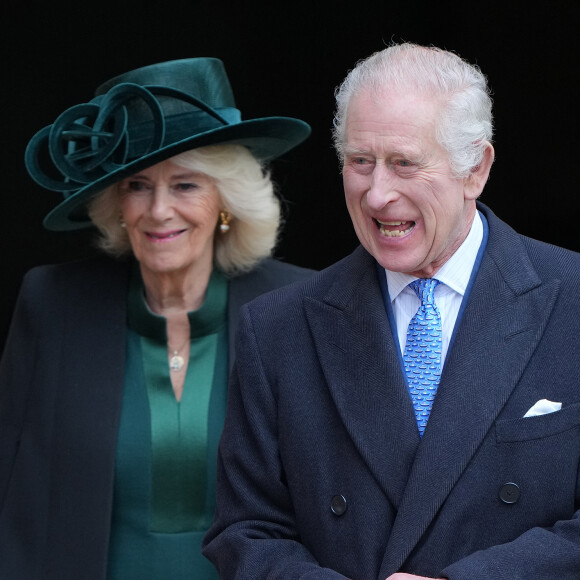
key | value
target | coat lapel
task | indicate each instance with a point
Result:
(503, 322)
(89, 395)
(268, 275)
(355, 347)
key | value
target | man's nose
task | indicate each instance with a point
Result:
(382, 189)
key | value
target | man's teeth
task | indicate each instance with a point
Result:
(394, 233)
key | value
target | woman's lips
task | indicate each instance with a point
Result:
(163, 236)
(395, 229)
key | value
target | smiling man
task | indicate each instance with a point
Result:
(412, 411)
(409, 208)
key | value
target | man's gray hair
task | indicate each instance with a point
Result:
(465, 122)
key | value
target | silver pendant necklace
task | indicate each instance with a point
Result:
(176, 362)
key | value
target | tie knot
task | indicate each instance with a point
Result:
(425, 288)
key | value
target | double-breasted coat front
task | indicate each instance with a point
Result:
(322, 473)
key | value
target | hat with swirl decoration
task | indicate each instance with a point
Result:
(141, 118)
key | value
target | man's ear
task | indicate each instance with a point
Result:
(473, 184)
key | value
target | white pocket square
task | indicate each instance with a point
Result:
(543, 407)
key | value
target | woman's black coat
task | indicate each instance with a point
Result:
(61, 381)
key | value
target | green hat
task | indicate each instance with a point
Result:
(141, 118)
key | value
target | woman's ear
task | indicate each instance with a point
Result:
(473, 184)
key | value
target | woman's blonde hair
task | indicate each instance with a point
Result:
(246, 190)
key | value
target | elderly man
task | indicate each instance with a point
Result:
(412, 411)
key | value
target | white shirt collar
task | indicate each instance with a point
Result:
(455, 273)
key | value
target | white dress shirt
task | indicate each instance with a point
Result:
(454, 276)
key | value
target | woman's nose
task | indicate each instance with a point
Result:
(161, 203)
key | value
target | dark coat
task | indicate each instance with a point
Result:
(322, 473)
(61, 380)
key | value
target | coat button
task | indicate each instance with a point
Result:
(338, 505)
(509, 493)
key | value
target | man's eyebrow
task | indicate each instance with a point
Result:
(417, 157)
(355, 151)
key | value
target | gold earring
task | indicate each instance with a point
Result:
(225, 218)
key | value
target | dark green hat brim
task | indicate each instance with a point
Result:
(266, 138)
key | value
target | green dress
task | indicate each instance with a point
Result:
(164, 489)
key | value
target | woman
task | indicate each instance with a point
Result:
(113, 379)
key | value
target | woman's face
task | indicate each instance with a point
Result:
(171, 215)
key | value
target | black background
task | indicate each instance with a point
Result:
(286, 59)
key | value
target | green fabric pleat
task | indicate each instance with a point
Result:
(179, 435)
(164, 490)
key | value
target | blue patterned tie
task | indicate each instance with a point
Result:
(422, 356)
